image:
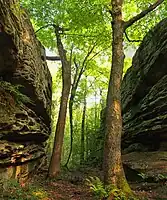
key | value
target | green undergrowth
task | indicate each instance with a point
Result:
(14, 91)
(157, 177)
(103, 192)
(12, 190)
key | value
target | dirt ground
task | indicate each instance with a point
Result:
(68, 189)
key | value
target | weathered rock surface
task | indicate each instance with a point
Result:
(144, 108)
(24, 125)
(144, 93)
(150, 164)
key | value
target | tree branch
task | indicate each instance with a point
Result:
(54, 26)
(71, 53)
(142, 14)
(129, 40)
(76, 72)
(46, 26)
(52, 58)
(80, 35)
(88, 54)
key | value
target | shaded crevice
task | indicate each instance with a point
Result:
(28, 137)
(8, 56)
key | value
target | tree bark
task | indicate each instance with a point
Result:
(113, 169)
(54, 167)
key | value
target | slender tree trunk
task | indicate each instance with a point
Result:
(77, 78)
(76, 81)
(71, 102)
(113, 169)
(82, 158)
(87, 142)
(102, 101)
(54, 167)
(95, 126)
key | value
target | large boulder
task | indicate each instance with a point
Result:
(25, 94)
(148, 165)
(144, 94)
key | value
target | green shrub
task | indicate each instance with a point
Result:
(103, 192)
(12, 190)
(98, 188)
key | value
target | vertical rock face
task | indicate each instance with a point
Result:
(25, 110)
(144, 100)
(144, 93)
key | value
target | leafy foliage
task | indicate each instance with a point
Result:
(97, 187)
(14, 91)
(157, 177)
(161, 177)
(101, 191)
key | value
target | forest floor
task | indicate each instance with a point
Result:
(72, 186)
(64, 190)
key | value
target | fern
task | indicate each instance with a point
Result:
(102, 192)
(14, 91)
(97, 187)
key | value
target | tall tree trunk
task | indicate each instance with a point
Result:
(113, 169)
(82, 157)
(54, 167)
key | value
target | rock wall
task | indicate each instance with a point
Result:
(144, 93)
(25, 110)
(144, 106)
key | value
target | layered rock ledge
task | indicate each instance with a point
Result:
(144, 93)
(144, 107)
(25, 93)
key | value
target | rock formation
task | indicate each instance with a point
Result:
(144, 100)
(25, 94)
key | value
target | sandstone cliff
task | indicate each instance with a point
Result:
(25, 93)
(144, 104)
(144, 93)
